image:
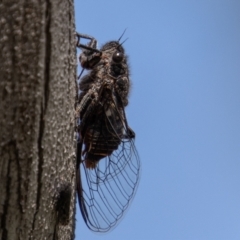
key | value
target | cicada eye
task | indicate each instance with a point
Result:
(117, 57)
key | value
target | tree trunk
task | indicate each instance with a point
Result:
(37, 90)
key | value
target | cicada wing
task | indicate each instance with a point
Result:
(107, 190)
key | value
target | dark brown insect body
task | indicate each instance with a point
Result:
(106, 149)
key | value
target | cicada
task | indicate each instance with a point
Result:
(108, 165)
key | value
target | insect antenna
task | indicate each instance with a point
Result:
(122, 34)
(123, 42)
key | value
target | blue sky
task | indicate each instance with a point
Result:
(185, 110)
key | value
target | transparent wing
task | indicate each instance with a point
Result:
(106, 191)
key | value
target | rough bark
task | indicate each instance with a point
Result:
(37, 90)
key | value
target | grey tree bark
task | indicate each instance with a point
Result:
(37, 94)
